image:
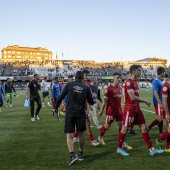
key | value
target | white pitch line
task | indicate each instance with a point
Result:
(146, 110)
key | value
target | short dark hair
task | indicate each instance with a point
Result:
(134, 67)
(79, 75)
(160, 70)
(56, 78)
(35, 75)
(70, 76)
(128, 72)
(116, 74)
(85, 71)
(166, 75)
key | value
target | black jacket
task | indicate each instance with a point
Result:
(77, 95)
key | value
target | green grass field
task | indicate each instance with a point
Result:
(42, 144)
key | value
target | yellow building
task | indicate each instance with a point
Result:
(17, 53)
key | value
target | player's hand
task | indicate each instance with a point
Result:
(168, 117)
(94, 94)
(160, 105)
(148, 103)
(99, 114)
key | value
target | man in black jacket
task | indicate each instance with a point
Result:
(32, 93)
(77, 94)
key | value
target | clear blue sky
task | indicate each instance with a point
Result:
(102, 30)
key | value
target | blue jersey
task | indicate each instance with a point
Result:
(65, 98)
(55, 90)
(2, 91)
(157, 85)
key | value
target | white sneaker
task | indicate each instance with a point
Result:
(48, 104)
(95, 143)
(101, 140)
(7, 105)
(37, 117)
(32, 119)
(10, 105)
(43, 105)
(99, 126)
(76, 139)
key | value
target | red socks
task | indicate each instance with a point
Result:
(91, 137)
(155, 122)
(121, 138)
(165, 135)
(102, 131)
(160, 125)
(146, 138)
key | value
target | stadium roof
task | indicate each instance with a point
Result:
(145, 60)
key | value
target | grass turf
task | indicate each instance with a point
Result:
(42, 144)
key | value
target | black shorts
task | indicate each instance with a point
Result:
(72, 122)
(45, 94)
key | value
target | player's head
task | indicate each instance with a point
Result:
(86, 75)
(127, 74)
(160, 71)
(79, 75)
(36, 76)
(8, 79)
(61, 78)
(70, 78)
(116, 78)
(166, 77)
(135, 70)
(56, 79)
(93, 80)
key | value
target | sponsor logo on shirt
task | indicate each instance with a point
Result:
(77, 89)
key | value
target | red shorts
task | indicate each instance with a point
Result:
(133, 117)
(159, 111)
(111, 116)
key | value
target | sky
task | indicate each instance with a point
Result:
(100, 30)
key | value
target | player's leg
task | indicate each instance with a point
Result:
(124, 145)
(165, 135)
(89, 132)
(10, 99)
(159, 119)
(69, 128)
(39, 104)
(7, 99)
(131, 130)
(43, 99)
(32, 108)
(1, 103)
(81, 127)
(48, 98)
(93, 114)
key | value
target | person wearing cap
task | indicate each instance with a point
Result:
(45, 92)
(77, 94)
(32, 93)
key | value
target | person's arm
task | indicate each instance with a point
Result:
(13, 88)
(61, 97)
(89, 97)
(157, 98)
(137, 99)
(102, 107)
(165, 104)
(27, 92)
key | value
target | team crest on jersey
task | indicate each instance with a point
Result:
(164, 88)
(128, 83)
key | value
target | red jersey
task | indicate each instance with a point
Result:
(61, 84)
(113, 95)
(131, 85)
(166, 92)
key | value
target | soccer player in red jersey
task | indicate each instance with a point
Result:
(131, 130)
(88, 129)
(112, 101)
(166, 105)
(133, 113)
